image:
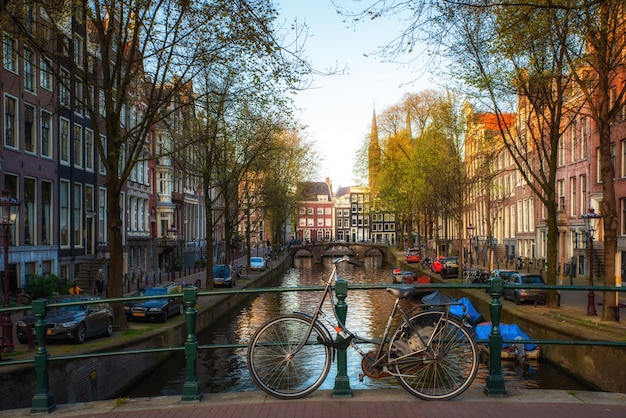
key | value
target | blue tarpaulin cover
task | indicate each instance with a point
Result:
(508, 331)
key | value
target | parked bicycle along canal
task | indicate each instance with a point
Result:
(225, 369)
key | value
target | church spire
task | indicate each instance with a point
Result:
(373, 156)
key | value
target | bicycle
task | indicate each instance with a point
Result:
(432, 354)
(240, 271)
(268, 261)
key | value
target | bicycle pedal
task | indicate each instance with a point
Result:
(361, 376)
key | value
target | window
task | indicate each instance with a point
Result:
(310, 222)
(102, 104)
(560, 156)
(9, 53)
(101, 167)
(78, 215)
(89, 149)
(64, 214)
(79, 97)
(309, 211)
(583, 194)
(623, 166)
(45, 75)
(64, 141)
(29, 17)
(572, 199)
(46, 212)
(622, 204)
(64, 92)
(78, 51)
(320, 222)
(29, 204)
(29, 129)
(46, 134)
(10, 122)
(302, 222)
(320, 211)
(102, 225)
(584, 137)
(29, 70)
(78, 145)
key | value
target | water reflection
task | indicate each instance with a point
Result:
(225, 370)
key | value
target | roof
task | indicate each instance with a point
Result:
(311, 190)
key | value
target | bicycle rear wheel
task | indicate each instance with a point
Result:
(275, 365)
(443, 370)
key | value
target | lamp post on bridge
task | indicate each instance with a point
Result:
(8, 214)
(470, 235)
(591, 219)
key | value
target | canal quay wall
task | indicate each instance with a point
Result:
(90, 379)
(75, 379)
(600, 366)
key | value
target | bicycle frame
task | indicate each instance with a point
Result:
(348, 338)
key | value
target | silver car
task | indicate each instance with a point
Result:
(519, 295)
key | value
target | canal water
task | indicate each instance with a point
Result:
(225, 370)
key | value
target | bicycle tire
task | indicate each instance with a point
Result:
(241, 272)
(443, 373)
(275, 366)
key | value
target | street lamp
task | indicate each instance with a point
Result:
(470, 234)
(172, 234)
(591, 219)
(8, 214)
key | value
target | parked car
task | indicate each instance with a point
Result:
(437, 264)
(502, 274)
(257, 264)
(520, 295)
(155, 309)
(450, 267)
(72, 322)
(413, 255)
(222, 276)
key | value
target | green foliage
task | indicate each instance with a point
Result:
(45, 286)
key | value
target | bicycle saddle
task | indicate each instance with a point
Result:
(401, 292)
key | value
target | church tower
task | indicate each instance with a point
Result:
(373, 156)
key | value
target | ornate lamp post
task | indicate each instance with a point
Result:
(470, 235)
(591, 219)
(8, 214)
(172, 234)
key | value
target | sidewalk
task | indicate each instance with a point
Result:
(363, 403)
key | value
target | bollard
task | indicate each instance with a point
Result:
(495, 381)
(43, 401)
(191, 388)
(342, 382)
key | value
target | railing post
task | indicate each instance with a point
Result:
(342, 382)
(495, 381)
(191, 388)
(43, 401)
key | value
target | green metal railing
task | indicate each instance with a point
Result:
(43, 400)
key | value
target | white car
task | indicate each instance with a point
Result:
(257, 263)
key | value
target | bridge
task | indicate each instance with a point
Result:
(358, 250)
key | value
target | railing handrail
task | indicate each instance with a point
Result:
(43, 403)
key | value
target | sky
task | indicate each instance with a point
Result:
(338, 109)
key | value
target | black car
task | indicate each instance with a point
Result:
(155, 309)
(450, 267)
(72, 322)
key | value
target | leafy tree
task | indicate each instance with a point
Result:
(144, 54)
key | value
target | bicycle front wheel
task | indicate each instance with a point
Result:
(276, 365)
(444, 368)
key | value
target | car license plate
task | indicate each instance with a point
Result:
(218, 282)
(48, 331)
(141, 314)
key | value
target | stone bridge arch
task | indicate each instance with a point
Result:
(338, 249)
